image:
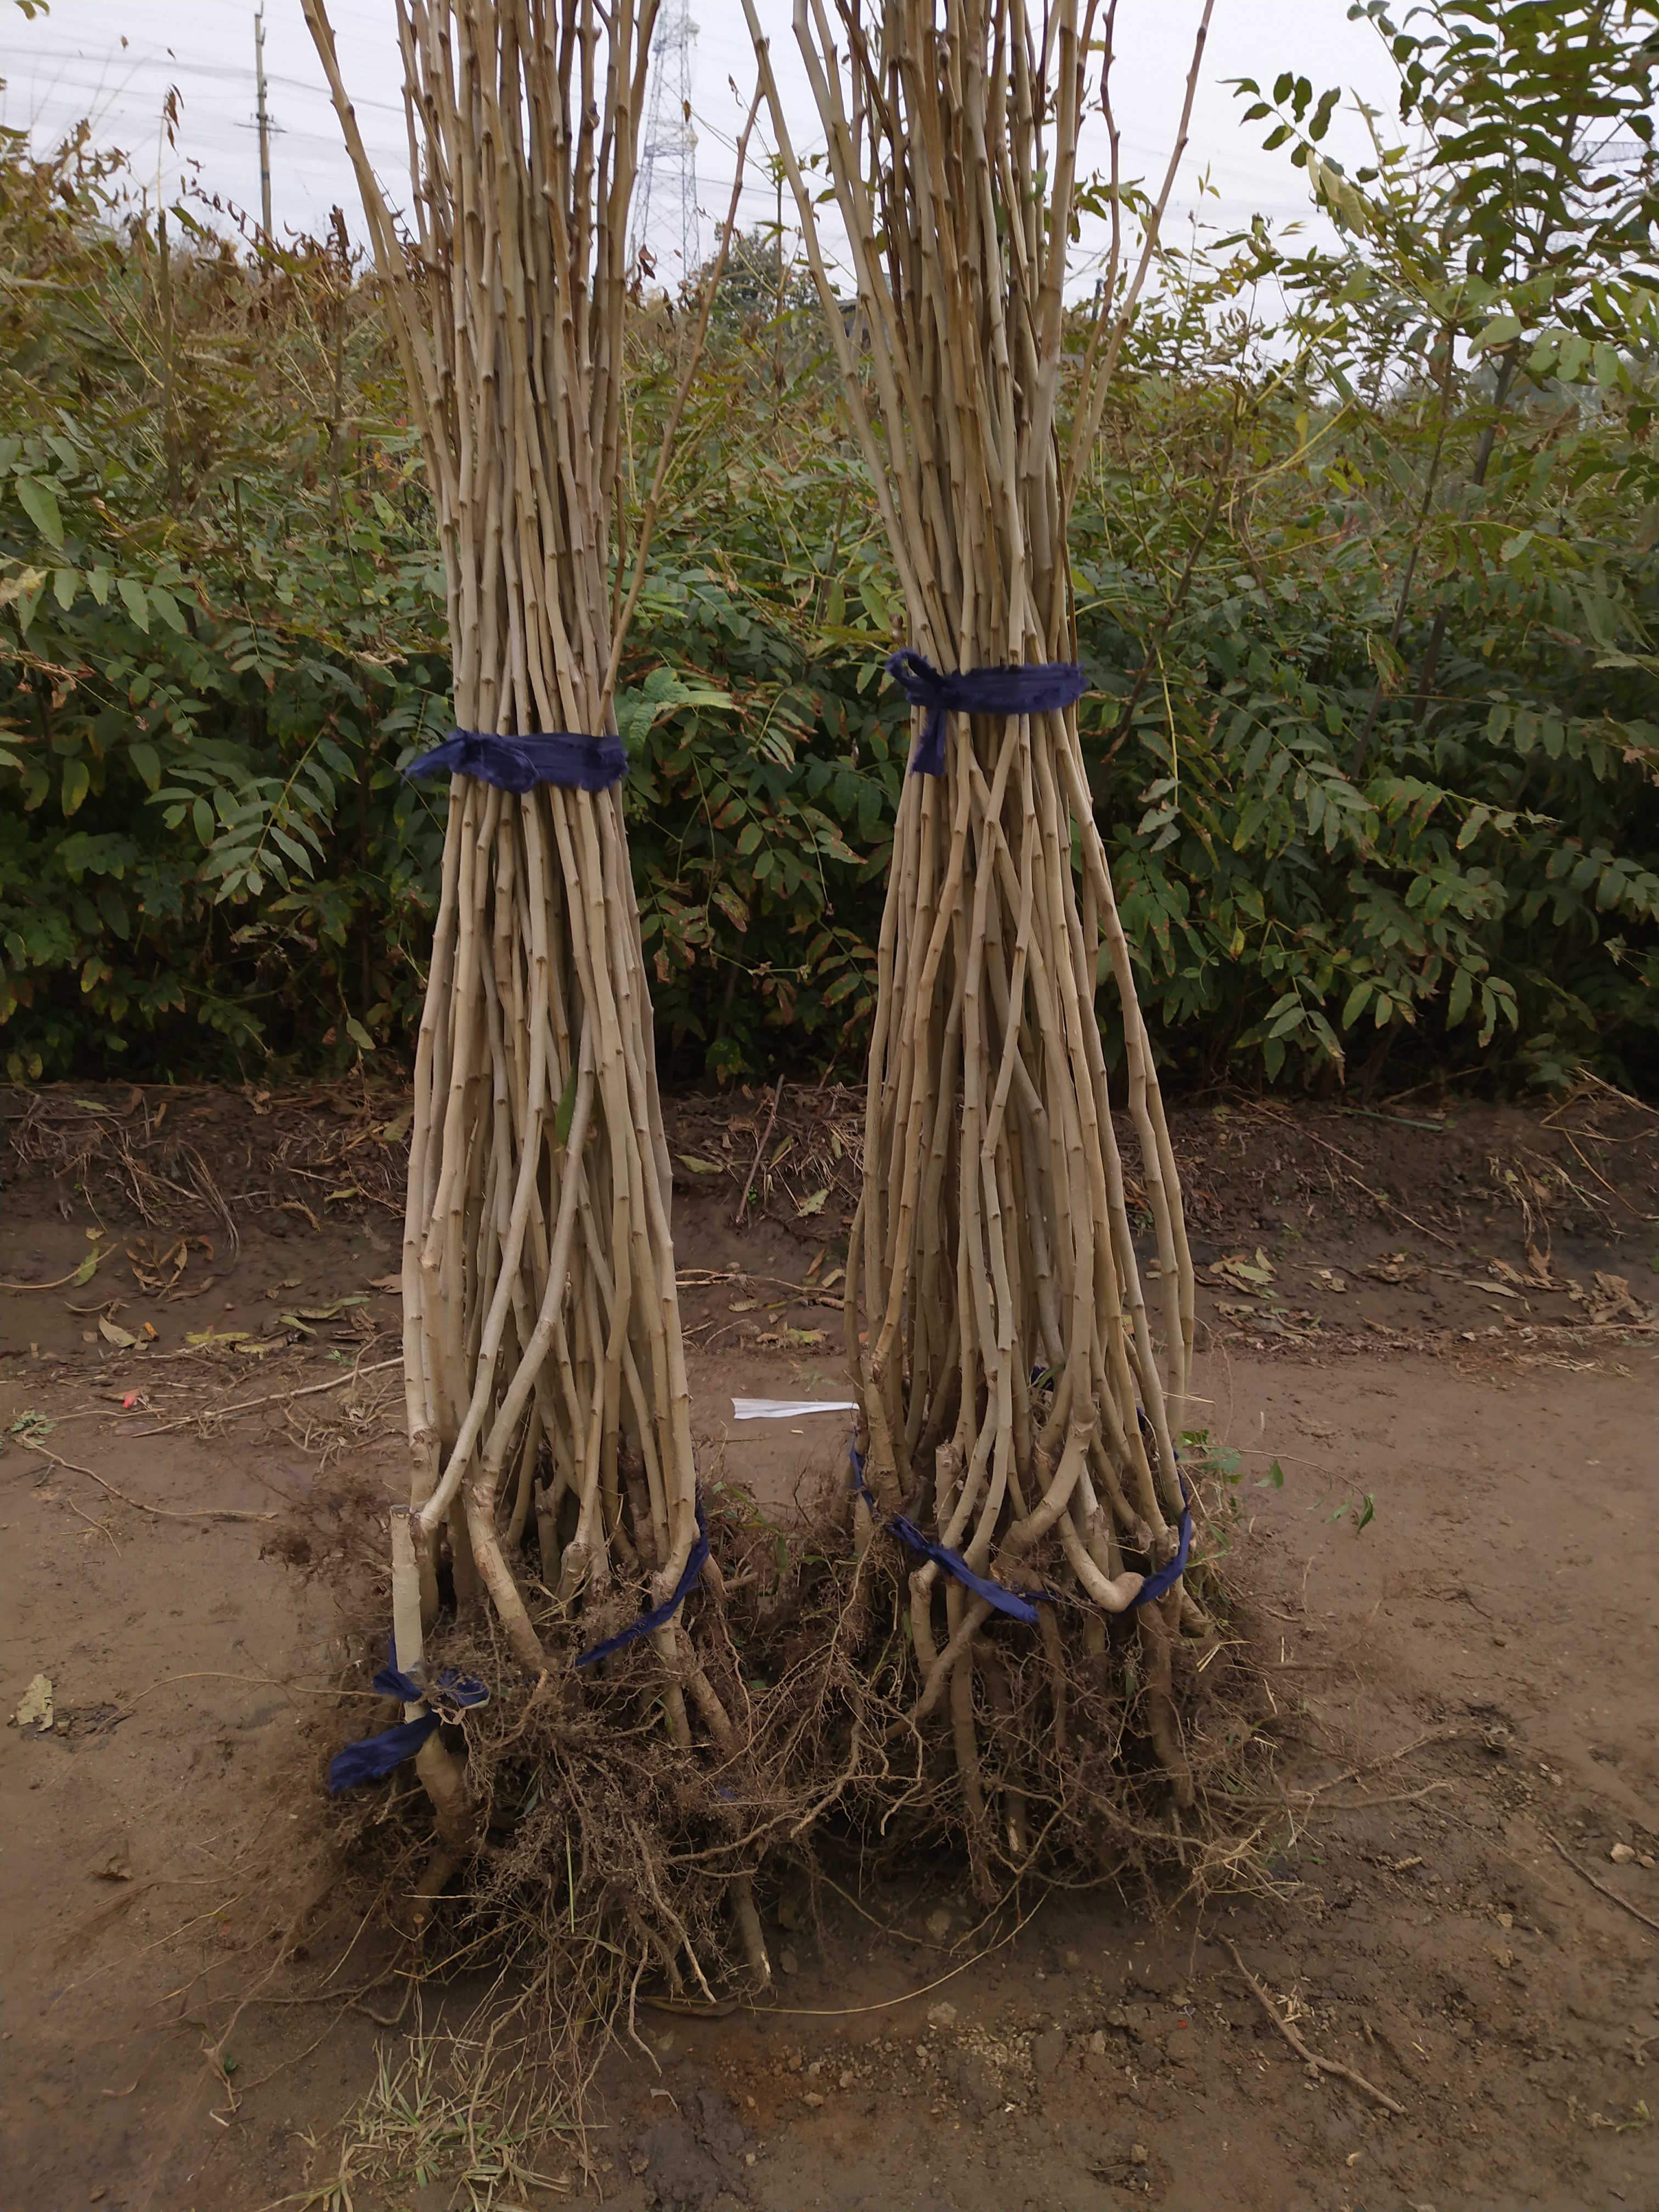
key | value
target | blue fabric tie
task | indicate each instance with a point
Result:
(378, 1754)
(1155, 1585)
(1007, 1601)
(1040, 689)
(520, 763)
(659, 1615)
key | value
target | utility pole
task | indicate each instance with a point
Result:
(665, 198)
(264, 122)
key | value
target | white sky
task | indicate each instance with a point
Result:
(113, 62)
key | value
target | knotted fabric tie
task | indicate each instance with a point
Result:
(659, 1615)
(1042, 687)
(520, 763)
(378, 1754)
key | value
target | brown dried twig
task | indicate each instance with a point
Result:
(271, 1398)
(1612, 1895)
(139, 1505)
(1333, 2066)
(760, 1143)
(71, 1277)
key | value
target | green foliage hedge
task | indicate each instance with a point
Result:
(1366, 594)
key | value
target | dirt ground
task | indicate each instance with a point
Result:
(1444, 1316)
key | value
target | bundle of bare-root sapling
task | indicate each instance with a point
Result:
(1022, 1369)
(553, 1495)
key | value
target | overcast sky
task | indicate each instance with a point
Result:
(114, 63)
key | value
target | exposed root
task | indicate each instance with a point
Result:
(613, 1842)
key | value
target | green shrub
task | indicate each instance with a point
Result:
(1367, 594)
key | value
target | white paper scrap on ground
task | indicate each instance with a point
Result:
(788, 1409)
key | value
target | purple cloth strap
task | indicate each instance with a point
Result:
(659, 1615)
(1007, 1601)
(1042, 687)
(520, 763)
(1155, 1585)
(376, 1755)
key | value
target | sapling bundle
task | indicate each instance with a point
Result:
(547, 1403)
(1023, 1372)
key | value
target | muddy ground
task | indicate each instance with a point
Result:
(1448, 1313)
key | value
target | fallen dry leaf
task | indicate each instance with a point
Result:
(1617, 1301)
(1396, 1269)
(36, 1708)
(1234, 1266)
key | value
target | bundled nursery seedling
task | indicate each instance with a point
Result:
(1023, 1371)
(1021, 1392)
(548, 1410)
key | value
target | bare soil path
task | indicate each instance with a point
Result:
(1463, 1909)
